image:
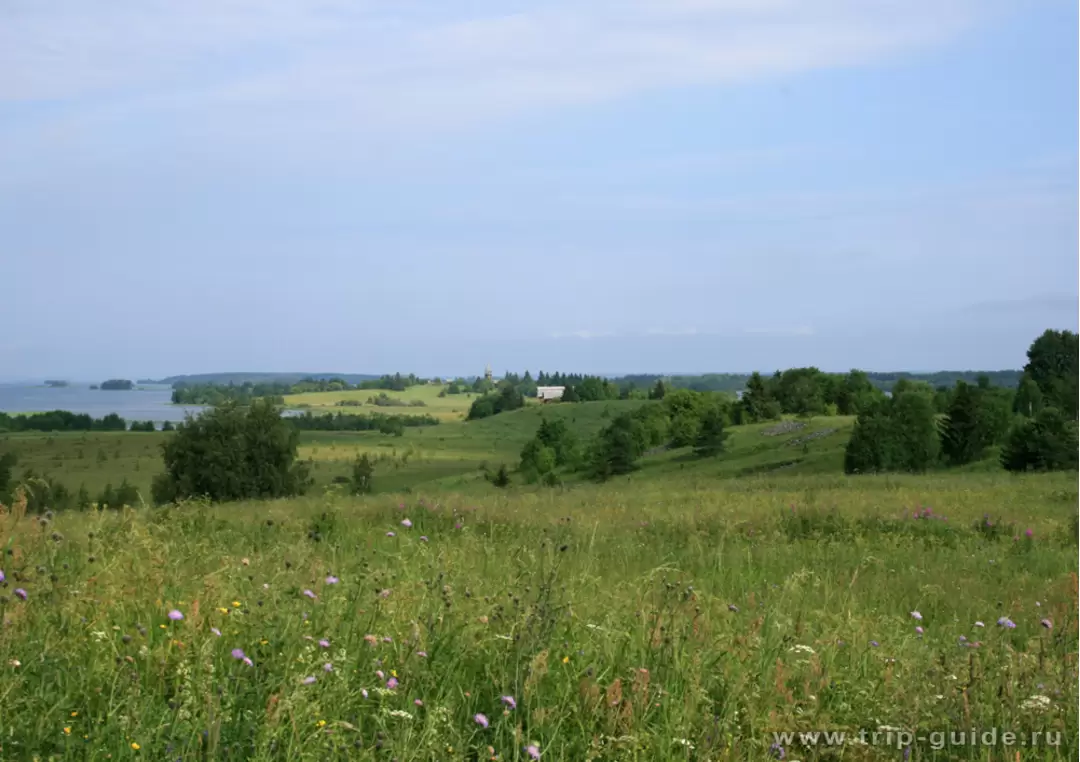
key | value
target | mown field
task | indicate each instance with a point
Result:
(652, 618)
(452, 407)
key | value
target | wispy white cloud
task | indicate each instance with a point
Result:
(801, 330)
(333, 67)
(582, 334)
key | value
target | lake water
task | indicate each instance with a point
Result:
(146, 403)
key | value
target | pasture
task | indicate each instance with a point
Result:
(652, 618)
(452, 407)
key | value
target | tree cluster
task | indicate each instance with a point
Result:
(61, 420)
(506, 397)
(117, 384)
(387, 424)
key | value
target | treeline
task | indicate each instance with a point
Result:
(185, 393)
(217, 394)
(385, 424)
(60, 420)
(117, 384)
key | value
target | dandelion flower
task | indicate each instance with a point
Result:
(480, 720)
(236, 604)
(67, 731)
(135, 746)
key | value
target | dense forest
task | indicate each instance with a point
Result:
(117, 384)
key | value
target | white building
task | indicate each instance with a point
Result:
(549, 393)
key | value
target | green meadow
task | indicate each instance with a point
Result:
(451, 407)
(687, 611)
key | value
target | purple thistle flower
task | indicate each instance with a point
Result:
(324, 643)
(392, 683)
(777, 751)
(423, 538)
(480, 720)
(422, 654)
(1006, 623)
(332, 580)
(248, 662)
(20, 593)
(979, 624)
(238, 654)
(916, 615)
(919, 630)
(509, 701)
(380, 674)
(387, 639)
(328, 667)
(418, 702)
(1029, 533)
(963, 638)
(310, 594)
(384, 593)
(175, 615)
(216, 631)
(733, 607)
(874, 643)
(390, 534)
(1047, 624)
(363, 692)
(406, 523)
(2, 577)
(533, 751)
(309, 680)
(458, 525)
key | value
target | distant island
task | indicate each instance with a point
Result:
(117, 384)
(56, 384)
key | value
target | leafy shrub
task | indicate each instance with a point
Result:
(231, 453)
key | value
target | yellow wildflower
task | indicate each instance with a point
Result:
(67, 731)
(74, 714)
(322, 723)
(135, 746)
(236, 604)
(566, 660)
(223, 610)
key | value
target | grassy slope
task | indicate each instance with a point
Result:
(448, 456)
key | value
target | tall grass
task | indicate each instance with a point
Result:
(648, 620)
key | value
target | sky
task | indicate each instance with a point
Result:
(600, 186)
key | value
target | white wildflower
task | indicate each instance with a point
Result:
(1035, 704)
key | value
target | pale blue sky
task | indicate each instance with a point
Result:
(598, 186)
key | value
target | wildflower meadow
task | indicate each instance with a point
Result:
(629, 621)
